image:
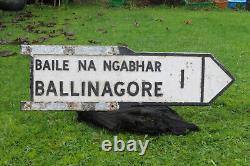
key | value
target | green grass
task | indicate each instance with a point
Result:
(56, 138)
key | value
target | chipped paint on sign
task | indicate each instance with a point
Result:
(70, 106)
(69, 50)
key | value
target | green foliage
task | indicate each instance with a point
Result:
(56, 138)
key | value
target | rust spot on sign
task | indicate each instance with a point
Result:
(113, 106)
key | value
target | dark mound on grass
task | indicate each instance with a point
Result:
(152, 120)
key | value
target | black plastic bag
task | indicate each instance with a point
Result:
(152, 120)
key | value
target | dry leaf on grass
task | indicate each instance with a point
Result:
(7, 53)
(188, 22)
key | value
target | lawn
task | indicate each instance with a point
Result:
(56, 138)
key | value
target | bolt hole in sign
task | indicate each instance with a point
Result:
(69, 75)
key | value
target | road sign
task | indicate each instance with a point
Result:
(66, 75)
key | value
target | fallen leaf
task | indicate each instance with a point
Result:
(2, 42)
(7, 53)
(22, 16)
(69, 33)
(101, 30)
(21, 40)
(188, 22)
(136, 24)
(40, 40)
(29, 28)
(19, 18)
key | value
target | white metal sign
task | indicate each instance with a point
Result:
(171, 78)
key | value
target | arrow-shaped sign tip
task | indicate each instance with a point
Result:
(216, 79)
